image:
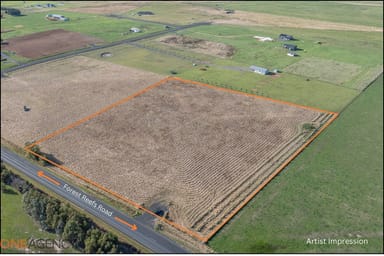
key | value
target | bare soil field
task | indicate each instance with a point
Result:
(46, 43)
(199, 45)
(264, 19)
(110, 7)
(61, 92)
(197, 151)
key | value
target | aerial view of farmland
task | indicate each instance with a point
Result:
(192, 127)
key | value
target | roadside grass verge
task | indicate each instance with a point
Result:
(333, 189)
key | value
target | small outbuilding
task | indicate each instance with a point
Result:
(263, 38)
(56, 17)
(259, 70)
(135, 30)
(145, 13)
(285, 37)
(11, 11)
(291, 47)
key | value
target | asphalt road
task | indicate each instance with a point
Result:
(136, 230)
(89, 49)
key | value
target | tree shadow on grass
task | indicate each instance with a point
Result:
(51, 158)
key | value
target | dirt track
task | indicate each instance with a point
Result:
(62, 92)
(199, 151)
(48, 43)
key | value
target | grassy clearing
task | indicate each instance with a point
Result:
(324, 70)
(361, 51)
(317, 10)
(332, 190)
(143, 59)
(285, 86)
(342, 46)
(16, 224)
(108, 29)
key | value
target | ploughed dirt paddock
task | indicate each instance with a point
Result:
(193, 151)
(62, 92)
(47, 43)
(107, 7)
(199, 45)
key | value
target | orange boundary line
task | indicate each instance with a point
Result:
(138, 206)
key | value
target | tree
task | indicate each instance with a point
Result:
(6, 175)
(75, 230)
(35, 149)
(52, 212)
(73, 233)
(108, 243)
(35, 204)
(92, 241)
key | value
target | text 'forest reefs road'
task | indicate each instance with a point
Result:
(137, 231)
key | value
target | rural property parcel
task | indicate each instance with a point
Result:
(195, 150)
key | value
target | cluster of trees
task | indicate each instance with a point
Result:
(74, 227)
(60, 218)
(11, 179)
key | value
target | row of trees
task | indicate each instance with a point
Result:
(60, 218)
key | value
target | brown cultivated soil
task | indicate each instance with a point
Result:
(196, 150)
(50, 42)
(199, 45)
(264, 19)
(62, 92)
(107, 7)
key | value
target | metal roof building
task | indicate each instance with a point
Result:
(259, 70)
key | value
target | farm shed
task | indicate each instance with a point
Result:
(11, 11)
(56, 17)
(145, 13)
(263, 39)
(290, 47)
(285, 37)
(135, 30)
(259, 70)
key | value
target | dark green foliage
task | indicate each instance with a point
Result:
(75, 230)
(35, 203)
(35, 149)
(58, 217)
(6, 176)
(98, 242)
